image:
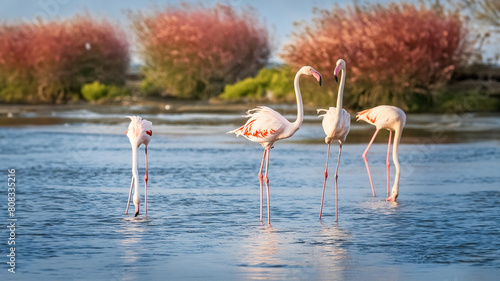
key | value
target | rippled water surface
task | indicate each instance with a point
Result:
(203, 207)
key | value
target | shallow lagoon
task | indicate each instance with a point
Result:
(73, 175)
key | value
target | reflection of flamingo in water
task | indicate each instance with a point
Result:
(262, 254)
(336, 124)
(266, 126)
(393, 119)
(139, 132)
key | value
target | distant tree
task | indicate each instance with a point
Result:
(486, 11)
(193, 51)
(50, 61)
(486, 14)
(395, 54)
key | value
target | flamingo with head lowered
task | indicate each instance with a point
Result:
(336, 124)
(266, 126)
(393, 119)
(139, 132)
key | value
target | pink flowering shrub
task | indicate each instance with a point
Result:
(193, 51)
(49, 62)
(395, 54)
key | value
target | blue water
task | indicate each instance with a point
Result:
(203, 208)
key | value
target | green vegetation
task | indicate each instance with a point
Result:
(96, 91)
(473, 91)
(468, 96)
(466, 101)
(272, 83)
(148, 88)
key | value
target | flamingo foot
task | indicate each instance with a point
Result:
(391, 198)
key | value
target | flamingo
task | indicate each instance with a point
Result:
(336, 124)
(266, 126)
(393, 119)
(139, 132)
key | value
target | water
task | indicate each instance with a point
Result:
(203, 223)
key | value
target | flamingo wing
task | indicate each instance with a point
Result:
(382, 116)
(367, 115)
(265, 124)
(335, 128)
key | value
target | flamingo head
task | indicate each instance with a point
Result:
(137, 201)
(307, 70)
(340, 66)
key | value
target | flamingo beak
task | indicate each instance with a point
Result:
(336, 72)
(136, 210)
(317, 75)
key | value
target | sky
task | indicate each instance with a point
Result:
(278, 15)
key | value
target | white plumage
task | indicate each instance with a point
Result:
(336, 124)
(393, 119)
(336, 129)
(266, 126)
(139, 132)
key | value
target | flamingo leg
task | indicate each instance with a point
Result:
(260, 181)
(146, 181)
(130, 194)
(324, 184)
(366, 161)
(388, 164)
(336, 190)
(266, 179)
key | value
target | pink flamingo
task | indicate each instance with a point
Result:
(393, 119)
(139, 132)
(336, 124)
(266, 126)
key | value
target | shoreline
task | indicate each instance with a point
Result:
(135, 105)
(154, 105)
(420, 127)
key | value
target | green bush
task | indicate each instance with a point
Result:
(247, 88)
(116, 91)
(16, 90)
(149, 88)
(277, 81)
(469, 96)
(95, 91)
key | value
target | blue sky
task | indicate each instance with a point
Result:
(279, 15)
